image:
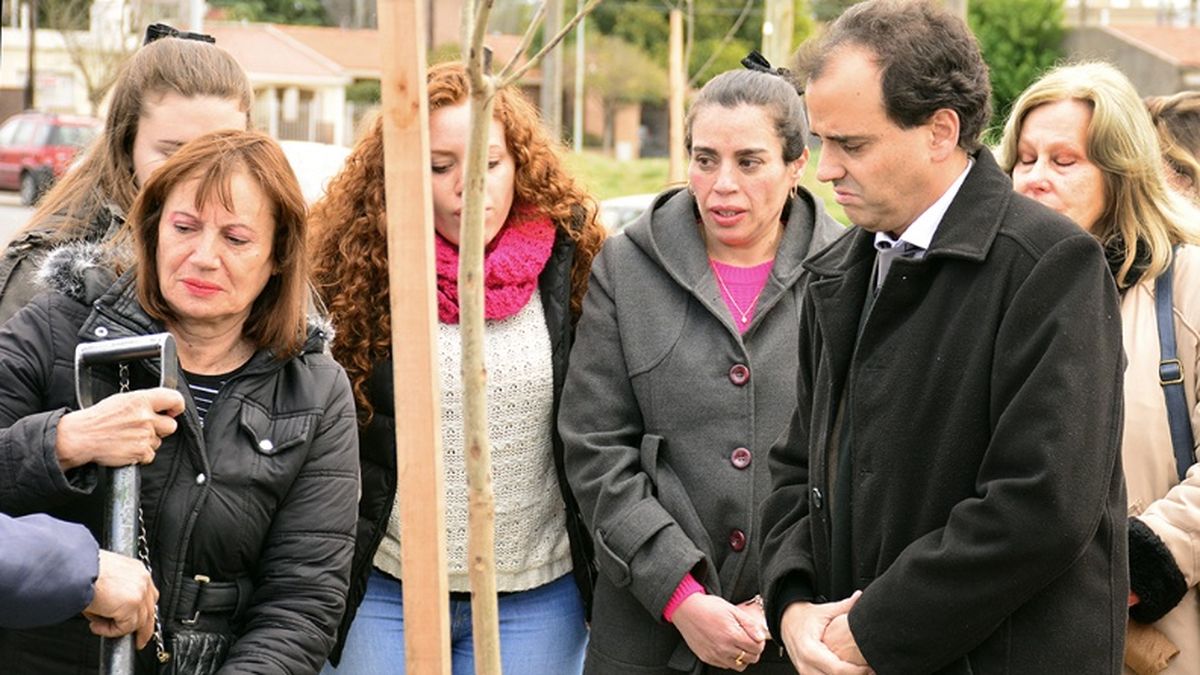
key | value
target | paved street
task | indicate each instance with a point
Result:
(13, 216)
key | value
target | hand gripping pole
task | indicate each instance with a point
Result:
(121, 509)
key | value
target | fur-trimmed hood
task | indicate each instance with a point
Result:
(85, 272)
(80, 270)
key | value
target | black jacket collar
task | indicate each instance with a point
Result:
(967, 231)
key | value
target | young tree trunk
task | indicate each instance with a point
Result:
(481, 514)
(481, 505)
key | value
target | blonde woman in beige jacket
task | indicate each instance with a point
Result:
(1079, 141)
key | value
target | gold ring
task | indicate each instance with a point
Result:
(741, 655)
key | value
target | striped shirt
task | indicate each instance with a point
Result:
(205, 388)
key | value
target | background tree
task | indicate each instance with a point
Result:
(97, 40)
(715, 48)
(303, 12)
(1020, 40)
(618, 72)
(828, 10)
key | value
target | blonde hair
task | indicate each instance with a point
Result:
(1139, 207)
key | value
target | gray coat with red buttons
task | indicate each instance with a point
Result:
(667, 415)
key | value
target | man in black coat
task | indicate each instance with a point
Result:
(949, 497)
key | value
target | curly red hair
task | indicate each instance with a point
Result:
(348, 226)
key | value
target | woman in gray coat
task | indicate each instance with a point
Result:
(682, 375)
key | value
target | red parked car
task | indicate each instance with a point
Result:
(36, 148)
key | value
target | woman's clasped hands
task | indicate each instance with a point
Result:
(720, 633)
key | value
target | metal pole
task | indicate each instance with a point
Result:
(580, 73)
(117, 655)
(196, 16)
(120, 530)
(777, 31)
(552, 67)
(30, 65)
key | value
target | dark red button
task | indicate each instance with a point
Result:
(737, 540)
(739, 374)
(740, 458)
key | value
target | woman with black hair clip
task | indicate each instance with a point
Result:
(683, 374)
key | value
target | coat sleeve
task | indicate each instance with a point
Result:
(1164, 542)
(47, 570)
(304, 572)
(639, 545)
(30, 477)
(787, 569)
(1049, 479)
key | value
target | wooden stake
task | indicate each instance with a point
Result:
(415, 380)
(676, 172)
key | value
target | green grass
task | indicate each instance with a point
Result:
(822, 191)
(605, 177)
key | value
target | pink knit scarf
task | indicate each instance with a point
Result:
(511, 265)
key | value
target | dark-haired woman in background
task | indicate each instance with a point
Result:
(683, 374)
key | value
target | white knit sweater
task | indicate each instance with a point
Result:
(531, 537)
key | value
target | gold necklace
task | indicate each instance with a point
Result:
(743, 316)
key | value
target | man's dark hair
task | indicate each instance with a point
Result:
(928, 60)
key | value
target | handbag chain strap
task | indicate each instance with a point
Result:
(143, 545)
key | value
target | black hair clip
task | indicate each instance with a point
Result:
(158, 31)
(756, 61)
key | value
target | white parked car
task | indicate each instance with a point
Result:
(314, 164)
(618, 212)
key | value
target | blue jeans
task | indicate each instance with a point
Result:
(542, 631)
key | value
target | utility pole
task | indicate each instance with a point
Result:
(552, 67)
(580, 72)
(677, 80)
(958, 8)
(30, 65)
(777, 31)
(196, 16)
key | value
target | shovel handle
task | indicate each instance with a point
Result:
(121, 528)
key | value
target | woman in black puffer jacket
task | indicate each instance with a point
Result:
(249, 473)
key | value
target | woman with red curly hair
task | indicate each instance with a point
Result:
(541, 233)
